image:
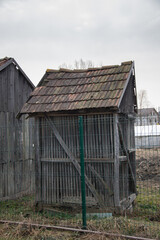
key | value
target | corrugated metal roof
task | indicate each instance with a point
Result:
(62, 90)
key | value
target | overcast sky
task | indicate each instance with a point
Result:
(41, 34)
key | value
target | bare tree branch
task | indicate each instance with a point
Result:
(80, 64)
(143, 101)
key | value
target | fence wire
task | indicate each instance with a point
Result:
(40, 174)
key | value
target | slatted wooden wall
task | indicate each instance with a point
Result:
(60, 180)
(16, 136)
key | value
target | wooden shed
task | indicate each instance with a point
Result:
(15, 155)
(106, 98)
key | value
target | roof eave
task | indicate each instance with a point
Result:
(86, 111)
(6, 64)
(29, 81)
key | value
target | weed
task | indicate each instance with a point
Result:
(143, 221)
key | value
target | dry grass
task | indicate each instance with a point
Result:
(20, 232)
(23, 232)
(145, 220)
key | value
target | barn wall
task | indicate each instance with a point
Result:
(16, 150)
(14, 89)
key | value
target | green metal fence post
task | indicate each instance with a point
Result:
(83, 191)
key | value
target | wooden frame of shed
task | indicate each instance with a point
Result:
(106, 97)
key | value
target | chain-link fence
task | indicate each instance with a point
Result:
(80, 172)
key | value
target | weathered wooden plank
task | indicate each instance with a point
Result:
(1, 98)
(38, 176)
(126, 152)
(72, 180)
(126, 202)
(98, 176)
(11, 91)
(116, 162)
(111, 126)
(57, 182)
(87, 160)
(43, 182)
(99, 130)
(5, 88)
(60, 183)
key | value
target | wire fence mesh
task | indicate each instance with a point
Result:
(40, 174)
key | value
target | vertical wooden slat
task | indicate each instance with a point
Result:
(54, 183)
(99, 133)
(110, 123)
(116, 162)
(37, 162)
(105, 144)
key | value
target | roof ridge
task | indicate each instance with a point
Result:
(127, 63)
(5, 58)
(88, 69)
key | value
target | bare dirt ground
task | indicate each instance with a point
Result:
(148, 164)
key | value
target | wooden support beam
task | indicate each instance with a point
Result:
(116, 162)
(127, 155)
(87, 160)
(100, 179)
(75, 162)
(38, 177)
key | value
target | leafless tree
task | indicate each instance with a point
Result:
(143, 101)
(80, 64)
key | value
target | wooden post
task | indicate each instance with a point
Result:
(116, 162)
(37, 165)
(128, 157)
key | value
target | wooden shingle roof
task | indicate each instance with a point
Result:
(71, 90)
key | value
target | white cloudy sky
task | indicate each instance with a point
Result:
(43, 34)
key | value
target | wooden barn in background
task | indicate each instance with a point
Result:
(15, 147)
(106, 98)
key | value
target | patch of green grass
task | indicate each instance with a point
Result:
(147, 204)
(58, 215)
(16, 208)
(23, 209)
(147, 201)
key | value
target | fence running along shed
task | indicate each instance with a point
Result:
(106, 97)
(15, 148)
